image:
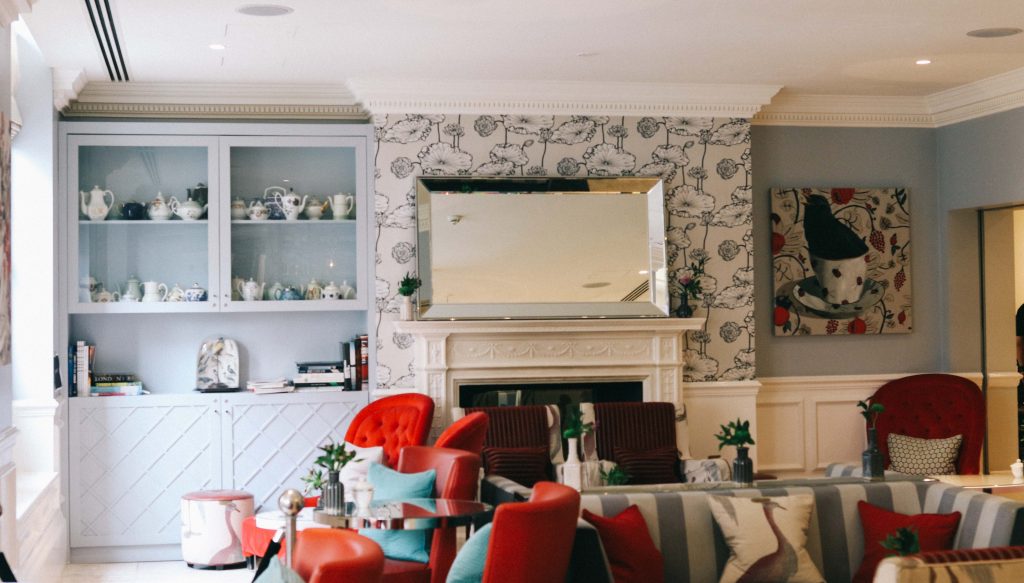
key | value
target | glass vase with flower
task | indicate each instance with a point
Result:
(688, 286)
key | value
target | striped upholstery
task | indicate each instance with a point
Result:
(636, 426)
(694, 550)
(961, 555)
(524, 426)
(957, 566)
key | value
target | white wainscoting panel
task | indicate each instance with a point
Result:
(270, 441)
(712, 404)
(131, 459)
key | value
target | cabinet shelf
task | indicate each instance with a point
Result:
(346, 222)
(295, 305)
(142, 307)
(141, 222)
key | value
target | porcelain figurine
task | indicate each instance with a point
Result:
(195, 294)
(288, 293)
(257, 212)
(313, 290)
(217, 367)
(341, 205)
(176, 294)
(346, 291)
(94, 203)
(238, 210)
(314, 209)
(251, 291)
(331, 292)
(151, 291)
(292, 204)
(272, 290)
(103, 296)
(189, 210)
(132, 290)
(158, 209)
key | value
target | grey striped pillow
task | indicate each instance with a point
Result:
(923, 457)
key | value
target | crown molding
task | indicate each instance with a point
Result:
(10, 10)
(863, 111)
(985, 97)
(67, 84)
(380, 96)
(214, 100)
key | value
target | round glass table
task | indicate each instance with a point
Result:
(406, 514)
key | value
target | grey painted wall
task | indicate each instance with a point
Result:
(979, 161)
(862, 157)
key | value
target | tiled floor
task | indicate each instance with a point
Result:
(169, 572)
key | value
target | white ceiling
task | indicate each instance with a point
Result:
(841, 47)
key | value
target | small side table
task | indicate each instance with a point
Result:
(275, 520)
(210, 521)
(406, 514)
(1001, 482)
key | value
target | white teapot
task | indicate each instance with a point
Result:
(94, 203)
(314, 209)
(292, 204)
(341, 205)
(189, 210)
(238, 210)
(313, 290)
(158, 209)
(103, 296)
(331, 292)
(176, 294)
(257, 211)
(346, 292)
(251, 291)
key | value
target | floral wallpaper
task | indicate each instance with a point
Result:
(705, 163)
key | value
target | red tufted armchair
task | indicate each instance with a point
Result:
(393, 422)
(466, 434)
(328, 555)
(933, 406)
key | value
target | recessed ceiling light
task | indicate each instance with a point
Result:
(923, 62)
(585, 54)
(997, 32)
(265, 9)
(217, 47)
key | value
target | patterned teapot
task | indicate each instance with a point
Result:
(158, 209)
(94, 203)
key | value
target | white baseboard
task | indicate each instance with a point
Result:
(133, 554)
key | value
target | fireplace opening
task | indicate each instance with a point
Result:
(563, 394)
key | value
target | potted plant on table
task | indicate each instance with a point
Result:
(872, 463)
(737, 434)
(689, 286)
(314, 481)
(332, 492)
(406, 288)
(575, 428)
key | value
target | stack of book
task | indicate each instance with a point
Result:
(115, 385)
(355, 355)
(85, 383)
(279, 385)
(321, 376)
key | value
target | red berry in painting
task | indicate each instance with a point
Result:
(857, 326)
(878, 241)
(860, 280)
(836, 272)
(778, 242)
(902, 317)
(842, 195)
(899, 280)
(894, 239)
(832, 326)
(781, 316)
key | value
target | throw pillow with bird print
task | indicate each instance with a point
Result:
(767, 538)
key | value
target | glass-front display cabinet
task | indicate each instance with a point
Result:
(199, 223)
(293, 241)
(145, 214)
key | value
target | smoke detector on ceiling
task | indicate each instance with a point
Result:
(265, 10)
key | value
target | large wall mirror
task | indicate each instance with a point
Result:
(541, 247)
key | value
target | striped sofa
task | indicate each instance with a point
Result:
(695, 551)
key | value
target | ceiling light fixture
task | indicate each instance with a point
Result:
(585, 54)
(265, 10)
(923, 62)
(996, 32)
(217, 47)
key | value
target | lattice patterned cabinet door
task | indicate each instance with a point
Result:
(270, 441)
(131, 459)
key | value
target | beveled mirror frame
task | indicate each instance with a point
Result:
(656, 304)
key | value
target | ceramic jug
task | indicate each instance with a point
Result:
(257, 212)
(236, 284)
(133, 211)
(292, 204)
(153, 291)
(288, 293)
(238, 210)
(314, 209)
(176, 294)
(313, 290)
(158, 209)
(341, 205)
(189, 210)
(251, 291)
(272, 199)
(195, 293)
(331, 292)
(94, 203)
(345, 291)
(132, 290)
(103, 296)
(272, 290)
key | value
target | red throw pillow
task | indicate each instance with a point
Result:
(935, 532)
(523, 465)
(629, 546)
(649, 466)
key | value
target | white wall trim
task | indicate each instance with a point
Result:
(67, 84)
(10, 10)
(381, 96)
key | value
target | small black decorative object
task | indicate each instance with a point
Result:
(872, 463)
(743, 467)
(737, 434)
(332, 494)
(685, 310)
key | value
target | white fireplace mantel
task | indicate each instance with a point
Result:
(451, 353)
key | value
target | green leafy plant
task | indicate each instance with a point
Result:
(615, 476)
(689, 281)
(314, 480)
(903, 542)
(736, 433)
(409, 285)
(870, 411)
(335, 457)
(574, 425)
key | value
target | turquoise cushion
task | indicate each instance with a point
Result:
(468, 566)
(411, 545)
(278, 572)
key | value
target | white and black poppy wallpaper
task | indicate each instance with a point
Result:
(705, 163)
(841, 261)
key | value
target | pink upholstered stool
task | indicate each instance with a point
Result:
(211, 528)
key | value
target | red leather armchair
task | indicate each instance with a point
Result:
(467, 434)
(933, 406)
(531, 541)
(327, 555)
(458, 475)
(393, 422)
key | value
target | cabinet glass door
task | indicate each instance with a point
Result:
(296, 234)
(145, 210)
